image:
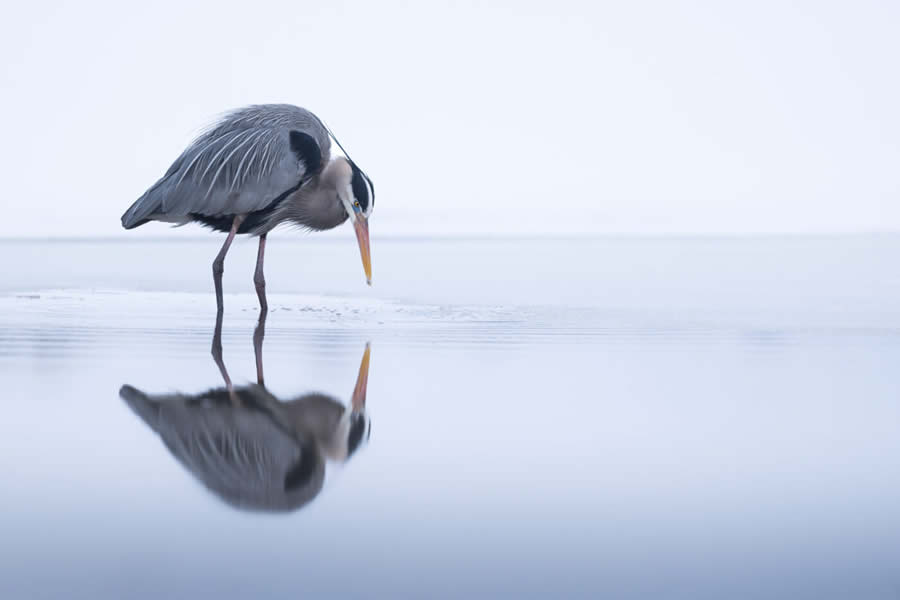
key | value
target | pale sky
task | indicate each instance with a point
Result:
(474, 117)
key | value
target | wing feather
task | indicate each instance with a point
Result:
(238, 166)
(240, 175)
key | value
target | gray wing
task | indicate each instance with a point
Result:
(240, 453)
(240, 165)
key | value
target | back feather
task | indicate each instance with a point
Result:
(239, 165)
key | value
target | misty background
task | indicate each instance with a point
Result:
(471, 117)
(667, 406)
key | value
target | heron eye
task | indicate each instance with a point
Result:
(356, 204)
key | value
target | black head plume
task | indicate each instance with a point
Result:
(362, 186)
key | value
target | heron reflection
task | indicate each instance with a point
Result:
(253, 450)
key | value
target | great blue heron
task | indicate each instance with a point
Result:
(258, 167)
(251, 449)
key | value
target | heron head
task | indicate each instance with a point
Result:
(357, 194)
(357, 433)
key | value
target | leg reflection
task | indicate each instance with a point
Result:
(258, 334)
(217, 351)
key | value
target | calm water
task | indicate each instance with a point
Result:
(660, 418)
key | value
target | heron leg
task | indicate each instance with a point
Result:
(218, 266)
(259, 278)
(258, 334)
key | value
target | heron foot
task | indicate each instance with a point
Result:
(261, 293)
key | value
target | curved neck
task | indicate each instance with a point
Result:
(314, 206)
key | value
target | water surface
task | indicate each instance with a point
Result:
(582, 418)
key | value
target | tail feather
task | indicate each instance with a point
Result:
(140, 211)
(150, 203)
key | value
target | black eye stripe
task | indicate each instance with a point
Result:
(360, 188)
(371, 191)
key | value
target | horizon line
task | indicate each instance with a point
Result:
(488, 236)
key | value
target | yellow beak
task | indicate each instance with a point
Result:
(362, 235)
(362, 381)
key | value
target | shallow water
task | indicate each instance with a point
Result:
(581, 418)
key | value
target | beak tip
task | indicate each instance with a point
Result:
(362, 236)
